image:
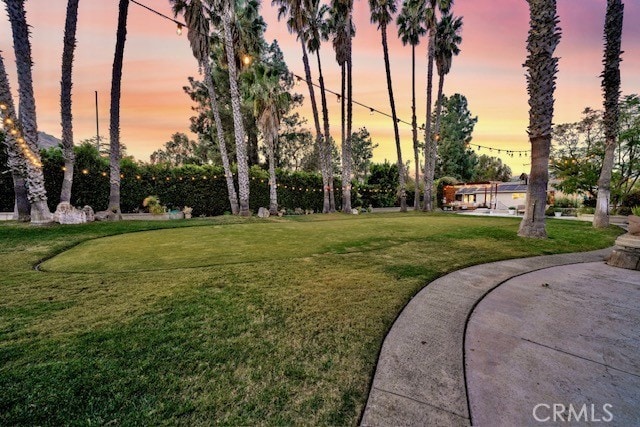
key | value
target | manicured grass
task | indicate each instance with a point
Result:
(228, 320)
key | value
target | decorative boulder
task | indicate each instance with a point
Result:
(88, 211)
(355, 211)
(263, 213)
(281, 212)
(67, 214)
(105, 216)
(634, 225)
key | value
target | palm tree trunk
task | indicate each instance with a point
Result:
(541, 69)
(273, 185)
(387, 66)
(21, 206)
(40, 213)
(346, 148)
(65, 99)
(114, 112)
(436, 137)
(414, 126)
(15, 158)
(238, 125)
(348, 165)
(324, 168)
(427, 205)
(323, 147)
(611, 86)
(222, 145)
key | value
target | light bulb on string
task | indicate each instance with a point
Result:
(179, 30)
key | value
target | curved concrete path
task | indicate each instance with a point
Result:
(420, 377)
(556, 339)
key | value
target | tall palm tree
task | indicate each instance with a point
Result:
(431, 14)
(339, 26)
(270, 102)
(382, 13)
(296, 19)
(65, 98)
(544, 36)
(446, 46)
(114, 112)
(611, 86)
(16, 160)
(197, 21)
(410, 28)
(317, 30)
(37, 193)
(227, 9)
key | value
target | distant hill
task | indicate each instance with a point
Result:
(47, 141)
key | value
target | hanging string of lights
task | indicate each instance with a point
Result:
(206, 177)
(12, 126)
(372, 110)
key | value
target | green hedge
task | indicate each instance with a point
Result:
(201, 187)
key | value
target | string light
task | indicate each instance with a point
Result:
(179, 30)
(338, 96)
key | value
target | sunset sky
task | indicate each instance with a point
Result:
(488, 71)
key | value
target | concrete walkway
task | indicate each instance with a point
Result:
(420, 377)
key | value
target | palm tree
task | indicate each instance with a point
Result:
(446, 46)
(65, 99)
(16, 159)
(542, 67)
(381, 13)
(297, 23)
(198, 27)
(227, 8)
(270, 102)
(611, 86)
(316, 30)
(27, 125)
(410, 28)
(339, 27)
(114, 126)
(431, 11)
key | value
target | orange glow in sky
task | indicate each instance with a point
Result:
(488, 71)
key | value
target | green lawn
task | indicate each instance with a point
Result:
(228, 320)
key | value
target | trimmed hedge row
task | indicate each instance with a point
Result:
(201, 187)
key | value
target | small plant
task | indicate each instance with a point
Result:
(153, 204)
(557, 209)
(187, 210)
(587, 210)
(635, 210)
(512, 208)
(549, 212)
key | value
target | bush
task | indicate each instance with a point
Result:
(203, 188)
(549, 211)
(566, 202)
(587, 210)
(636, 210)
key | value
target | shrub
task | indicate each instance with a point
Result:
(587, 210)
(153, 204)
(566, 202)
(636, 210)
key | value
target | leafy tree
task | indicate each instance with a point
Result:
(180, 150)
(295, 144)
(456, 129)
(579, 150)
(542, 66)
(362, 151)
(490, 168)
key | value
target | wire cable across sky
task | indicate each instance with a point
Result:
(372, 110)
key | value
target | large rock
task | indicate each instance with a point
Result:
(627, 252)
(88, 211)
(105, 216)
(67, 214)
(263, 213)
